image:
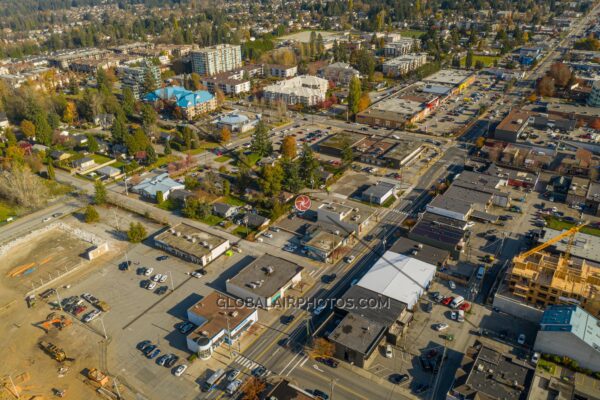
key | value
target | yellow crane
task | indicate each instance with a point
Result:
(568, 233)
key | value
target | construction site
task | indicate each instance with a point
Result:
(540, 278)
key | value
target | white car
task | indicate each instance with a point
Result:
(46, 219)
(157, 277)
(148, 271)
(454, 315)
(268, 235)
(151, 285)
(196, 274)
(91, 316)
(319, 309)
(180, 370)
(440, 327)
(91, 299)
(349, 259)
(452, 285)
(521, 339)
(163, 278)
(535, 357)
(388, 351)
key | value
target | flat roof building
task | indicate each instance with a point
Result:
(191, 244)
(379, 193)
(219, 319)
(353, 217)
(265, 280)
(215, 59)
(304, 89)
(453, 77)
(335, 144)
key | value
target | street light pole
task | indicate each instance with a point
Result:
(171, 277)
(103, 328)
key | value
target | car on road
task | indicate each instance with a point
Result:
(330, 362)
(319, 394)
(421, 388)
(287, 319)
(319, 309)
(440, 326)
(349, 259)
(329, 278)
(521, 339)
(56, 215)
(452, 285)
(180, 370)
(446, 301)
(398, 378)
(259, 371)
(233, 386)
(162, 258)
(46, 219)
(231, 375)
(268, 235)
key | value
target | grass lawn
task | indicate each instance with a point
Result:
(232, 201)
(412, 33)
(99, 159)
(169, 205)
(222, 159)
(559, 225)
(389, 202)
(117, 164)
(6, 211)
(57, 189)
(242, 232)
(486, 60)
(547, 366)
(164, 160)
(211, 220)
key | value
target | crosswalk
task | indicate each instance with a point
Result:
(396, 211)
(248, 364)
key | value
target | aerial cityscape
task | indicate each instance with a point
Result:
(300, 199)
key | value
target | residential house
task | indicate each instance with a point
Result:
(162, 183)
(224, 210)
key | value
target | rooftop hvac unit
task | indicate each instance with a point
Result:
(480, 367)
(178, 234)
(234, 313)
(420, 245)
(269, 270)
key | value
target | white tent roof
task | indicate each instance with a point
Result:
(399, 277)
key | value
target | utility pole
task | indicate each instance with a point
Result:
(229, 336)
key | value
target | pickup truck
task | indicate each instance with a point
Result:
(102, 306)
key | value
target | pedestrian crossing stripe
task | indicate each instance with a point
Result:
(398, 211)
(248, 364)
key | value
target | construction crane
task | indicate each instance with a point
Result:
(568, 233)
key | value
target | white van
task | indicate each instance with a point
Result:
(461, 316)
(458, 300)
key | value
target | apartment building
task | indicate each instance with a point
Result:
(400, 47)
(404, 64)
(305, 89)
(594, 98)
(134, 77)
(340, 73)
(215, 59)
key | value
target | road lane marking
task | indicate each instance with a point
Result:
(288, 364)
(295, 365)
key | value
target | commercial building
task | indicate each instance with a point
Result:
(514, 124)
(420, 251)
(572, 111)
(356, 338)
(284, 390)
(265, 280)
(236, 122)
(487, 373)
(569, 331)
(304, 89)
(215, 59)
(543, 279)
(594, 97)
(191, 104)
(555, 386)
(191, 244)
(134, 77)
(339, 73)
(323, 241)
(335, 144)
(353, 218)
(441, 232)
(458, 79)
(379, 193)
(387, 152)
(149, 187)
(402, 65)
(592, 198)
(395, 112)
(220, 320)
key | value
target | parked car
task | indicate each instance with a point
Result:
(268, 235)
(163, 278)
(388, 351)
(180, 370)
(151, 285)
(185, 327)
(446, 301)
(452, 285)
(440, 327)
(143, 344)
(398, 378)
(172, 360)
(233, 386)
(319, 309)
(327, 361)
(196, 274)
(148, 271)
(521, 339)
(91, 316)
(91, 299)
(464, 306)
(162, 290)
(350, 258)
(162, 258)
(320, 394)
(535, 357)
(454, 315)
(152, 355)
(124, 266)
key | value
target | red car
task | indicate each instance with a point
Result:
(447, 301)
(464, 306)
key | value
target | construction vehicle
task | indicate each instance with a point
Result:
(568, 233)
(53, 351)
(54, 321)
(97, 377)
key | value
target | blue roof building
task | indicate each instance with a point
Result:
(237, 122)
(191, 103)
(567, 330)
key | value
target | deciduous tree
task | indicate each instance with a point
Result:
(288, 147)
(136, 232)
(99, 193)
(28, 128)
(322, 347)
(354, 94)
(225, 135)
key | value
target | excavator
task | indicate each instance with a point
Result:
(54, 321)
(54, 351)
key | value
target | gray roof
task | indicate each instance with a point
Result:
(451, 204)
(255, 220)
(273, 273)
(439, 228)
(379, 190)
(583, 245)
(424, 252)
(358, 333)
(160, 183)
(386, 314)
(108, 170)
(222, 208)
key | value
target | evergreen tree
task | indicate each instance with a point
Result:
(469, 60)
(150, 155)
(92, 144)
(308, 166)
(50, 171)
(118, 130)
(91, 215)
(354, 94)
(100, 193)
(128, 102)
(261, 144)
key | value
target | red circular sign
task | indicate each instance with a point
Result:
(302, 203)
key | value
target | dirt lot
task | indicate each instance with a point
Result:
(40, 258)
